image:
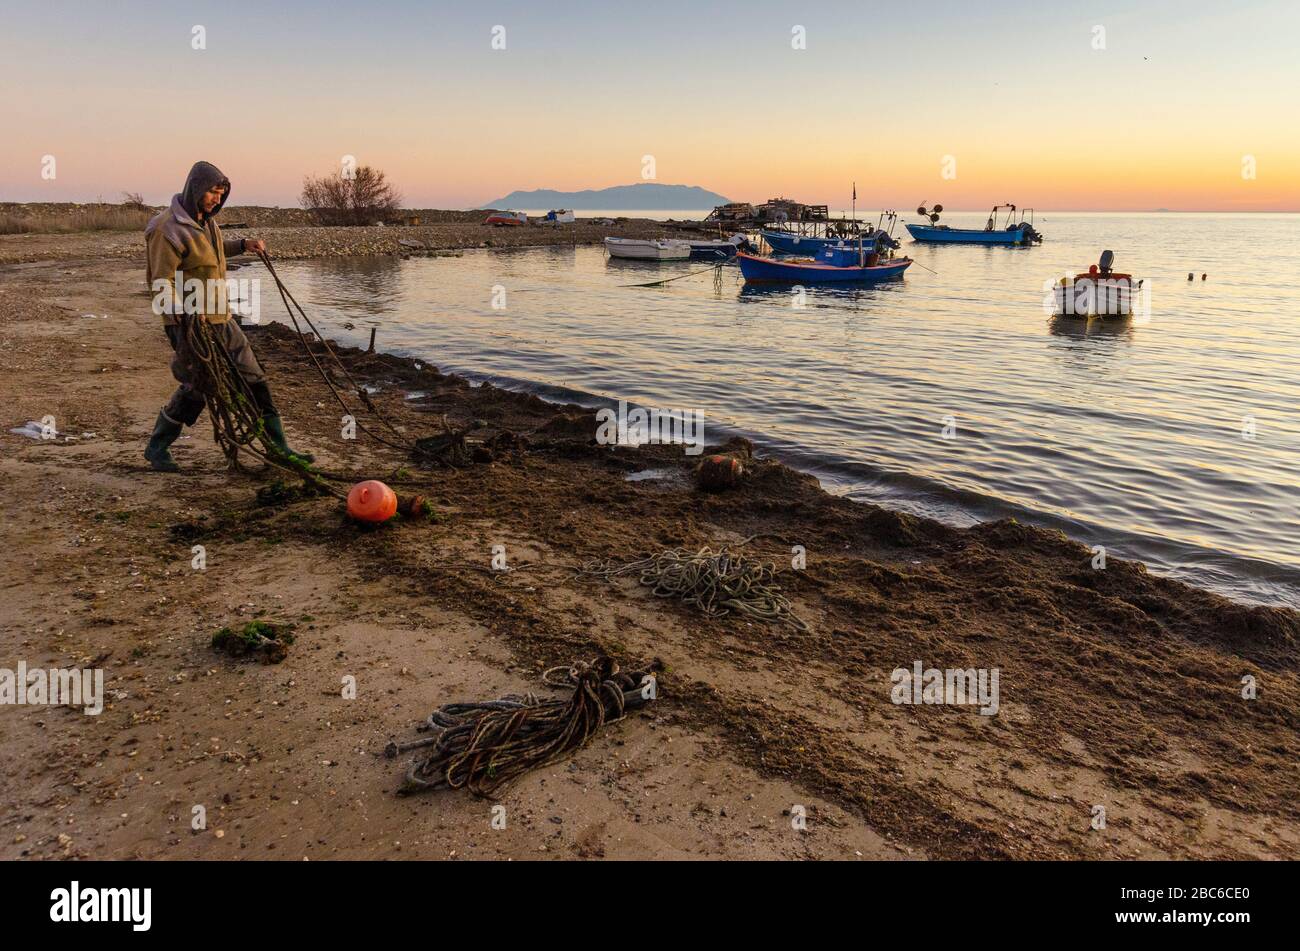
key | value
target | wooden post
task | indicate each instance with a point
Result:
(371, 348)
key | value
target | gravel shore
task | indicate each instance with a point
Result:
(291, 242)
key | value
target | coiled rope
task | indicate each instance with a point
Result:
(481, 746)
(717, 583)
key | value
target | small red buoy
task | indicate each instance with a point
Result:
(719, 472)
(371, 501)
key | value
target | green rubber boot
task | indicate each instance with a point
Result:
(275, 436)
(157, 452)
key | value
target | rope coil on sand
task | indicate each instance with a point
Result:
(482, 745)
(717, 583)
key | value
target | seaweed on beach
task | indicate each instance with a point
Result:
(269, 639)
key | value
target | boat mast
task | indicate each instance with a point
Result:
(861, 260)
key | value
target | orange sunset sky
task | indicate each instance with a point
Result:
(1166, 113)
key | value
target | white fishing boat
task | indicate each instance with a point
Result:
(646, 250)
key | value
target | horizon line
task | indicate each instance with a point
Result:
(485, 207)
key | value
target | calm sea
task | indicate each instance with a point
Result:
(1172, 438)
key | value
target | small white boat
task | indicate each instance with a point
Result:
(645, 250)
(561, 216)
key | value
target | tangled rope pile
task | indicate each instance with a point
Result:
(397, 440)
(482, 745)
(232, 406)
(717, 583)
(236, 419)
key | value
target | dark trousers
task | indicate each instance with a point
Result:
(186, 404)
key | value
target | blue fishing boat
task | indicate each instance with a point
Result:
(1018, 234)
(785, 242)
(840, 262)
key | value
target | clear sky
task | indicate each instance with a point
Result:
(1165, 116)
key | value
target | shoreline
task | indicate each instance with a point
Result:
(975, 509)
(1118, 687)
(303, 241)
(1249, 577)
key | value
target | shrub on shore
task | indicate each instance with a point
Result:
(363, 196)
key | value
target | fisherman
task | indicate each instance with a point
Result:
(186, 260)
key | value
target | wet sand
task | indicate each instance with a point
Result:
(1117, 688)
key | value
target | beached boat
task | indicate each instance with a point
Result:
(639, 249)
(506, 219)
(1018, 234)
(841, 262)
(560, 216)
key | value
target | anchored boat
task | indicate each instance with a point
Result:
(1100, 292)
(867, 260)
(639, 249)
(828, 233)
(720, 250)
(785, 242)
(1018, 234)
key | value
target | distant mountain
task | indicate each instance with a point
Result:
(649, 196)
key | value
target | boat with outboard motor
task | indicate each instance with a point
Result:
(1019, 234)
(831, 234)
(785, 242)
(1100, 292)
(868, 259)
(720, 250)
(833, 264)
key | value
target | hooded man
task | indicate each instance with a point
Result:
(187, 269)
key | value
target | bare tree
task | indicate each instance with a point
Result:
(133, 200)
(359, 197)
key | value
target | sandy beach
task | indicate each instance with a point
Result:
(1119, 689)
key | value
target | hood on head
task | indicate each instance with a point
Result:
(203, 175)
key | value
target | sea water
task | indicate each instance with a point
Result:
(1172, 437)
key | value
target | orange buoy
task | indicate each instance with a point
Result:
(371, 501)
